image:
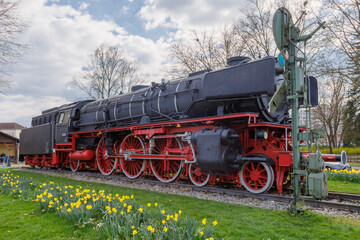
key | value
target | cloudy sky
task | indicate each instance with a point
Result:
(63, 33)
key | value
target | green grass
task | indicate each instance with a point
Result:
(25, 220)
(344, 186)
(235, 221)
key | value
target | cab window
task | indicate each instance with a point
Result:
(63, 118)
(66, 117)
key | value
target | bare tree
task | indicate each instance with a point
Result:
(11, 48)
(254, 28)
(329, 113)
(109, 73)
(251, 36)
(344, 26)
(209, 50)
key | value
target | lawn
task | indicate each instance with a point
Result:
(25, 220)
(235, 221)
(343, 186)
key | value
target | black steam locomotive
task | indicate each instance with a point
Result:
(213, 126)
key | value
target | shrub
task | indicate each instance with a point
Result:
(326, 150)
(344, 175)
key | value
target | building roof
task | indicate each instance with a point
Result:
(11, 126)
(7, 138)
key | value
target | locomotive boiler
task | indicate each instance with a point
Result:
(210, 127)
(244, 86)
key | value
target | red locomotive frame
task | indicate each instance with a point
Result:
(162, 149)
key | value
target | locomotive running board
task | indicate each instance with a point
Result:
(131, 157)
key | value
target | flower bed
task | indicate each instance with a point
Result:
(114, 216)
(344, 175)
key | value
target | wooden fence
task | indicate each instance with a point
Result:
(353, 158)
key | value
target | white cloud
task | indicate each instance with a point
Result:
(125, 9)
(61, 40)
(23, 108)
(84, 6)
(188, 13)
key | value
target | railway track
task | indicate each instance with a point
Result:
(335, 200)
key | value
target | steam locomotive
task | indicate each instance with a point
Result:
(211, 127)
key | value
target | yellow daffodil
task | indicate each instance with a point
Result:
(165, 229)
(215, 223)
(204, 221)
(151, 229)
(134, 232)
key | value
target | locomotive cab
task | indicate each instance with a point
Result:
(62, 123)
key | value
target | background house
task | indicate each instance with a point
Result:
(9, 140)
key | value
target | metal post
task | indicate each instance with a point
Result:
(287, 35)
(295, 125)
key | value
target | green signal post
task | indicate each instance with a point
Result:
(308, 176)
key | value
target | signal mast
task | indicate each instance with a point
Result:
(309, 177)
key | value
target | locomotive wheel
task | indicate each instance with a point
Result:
(256, 177)
(132, 168)
(74, 165)
(197, 177)
(106, 165)
(166, 170)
